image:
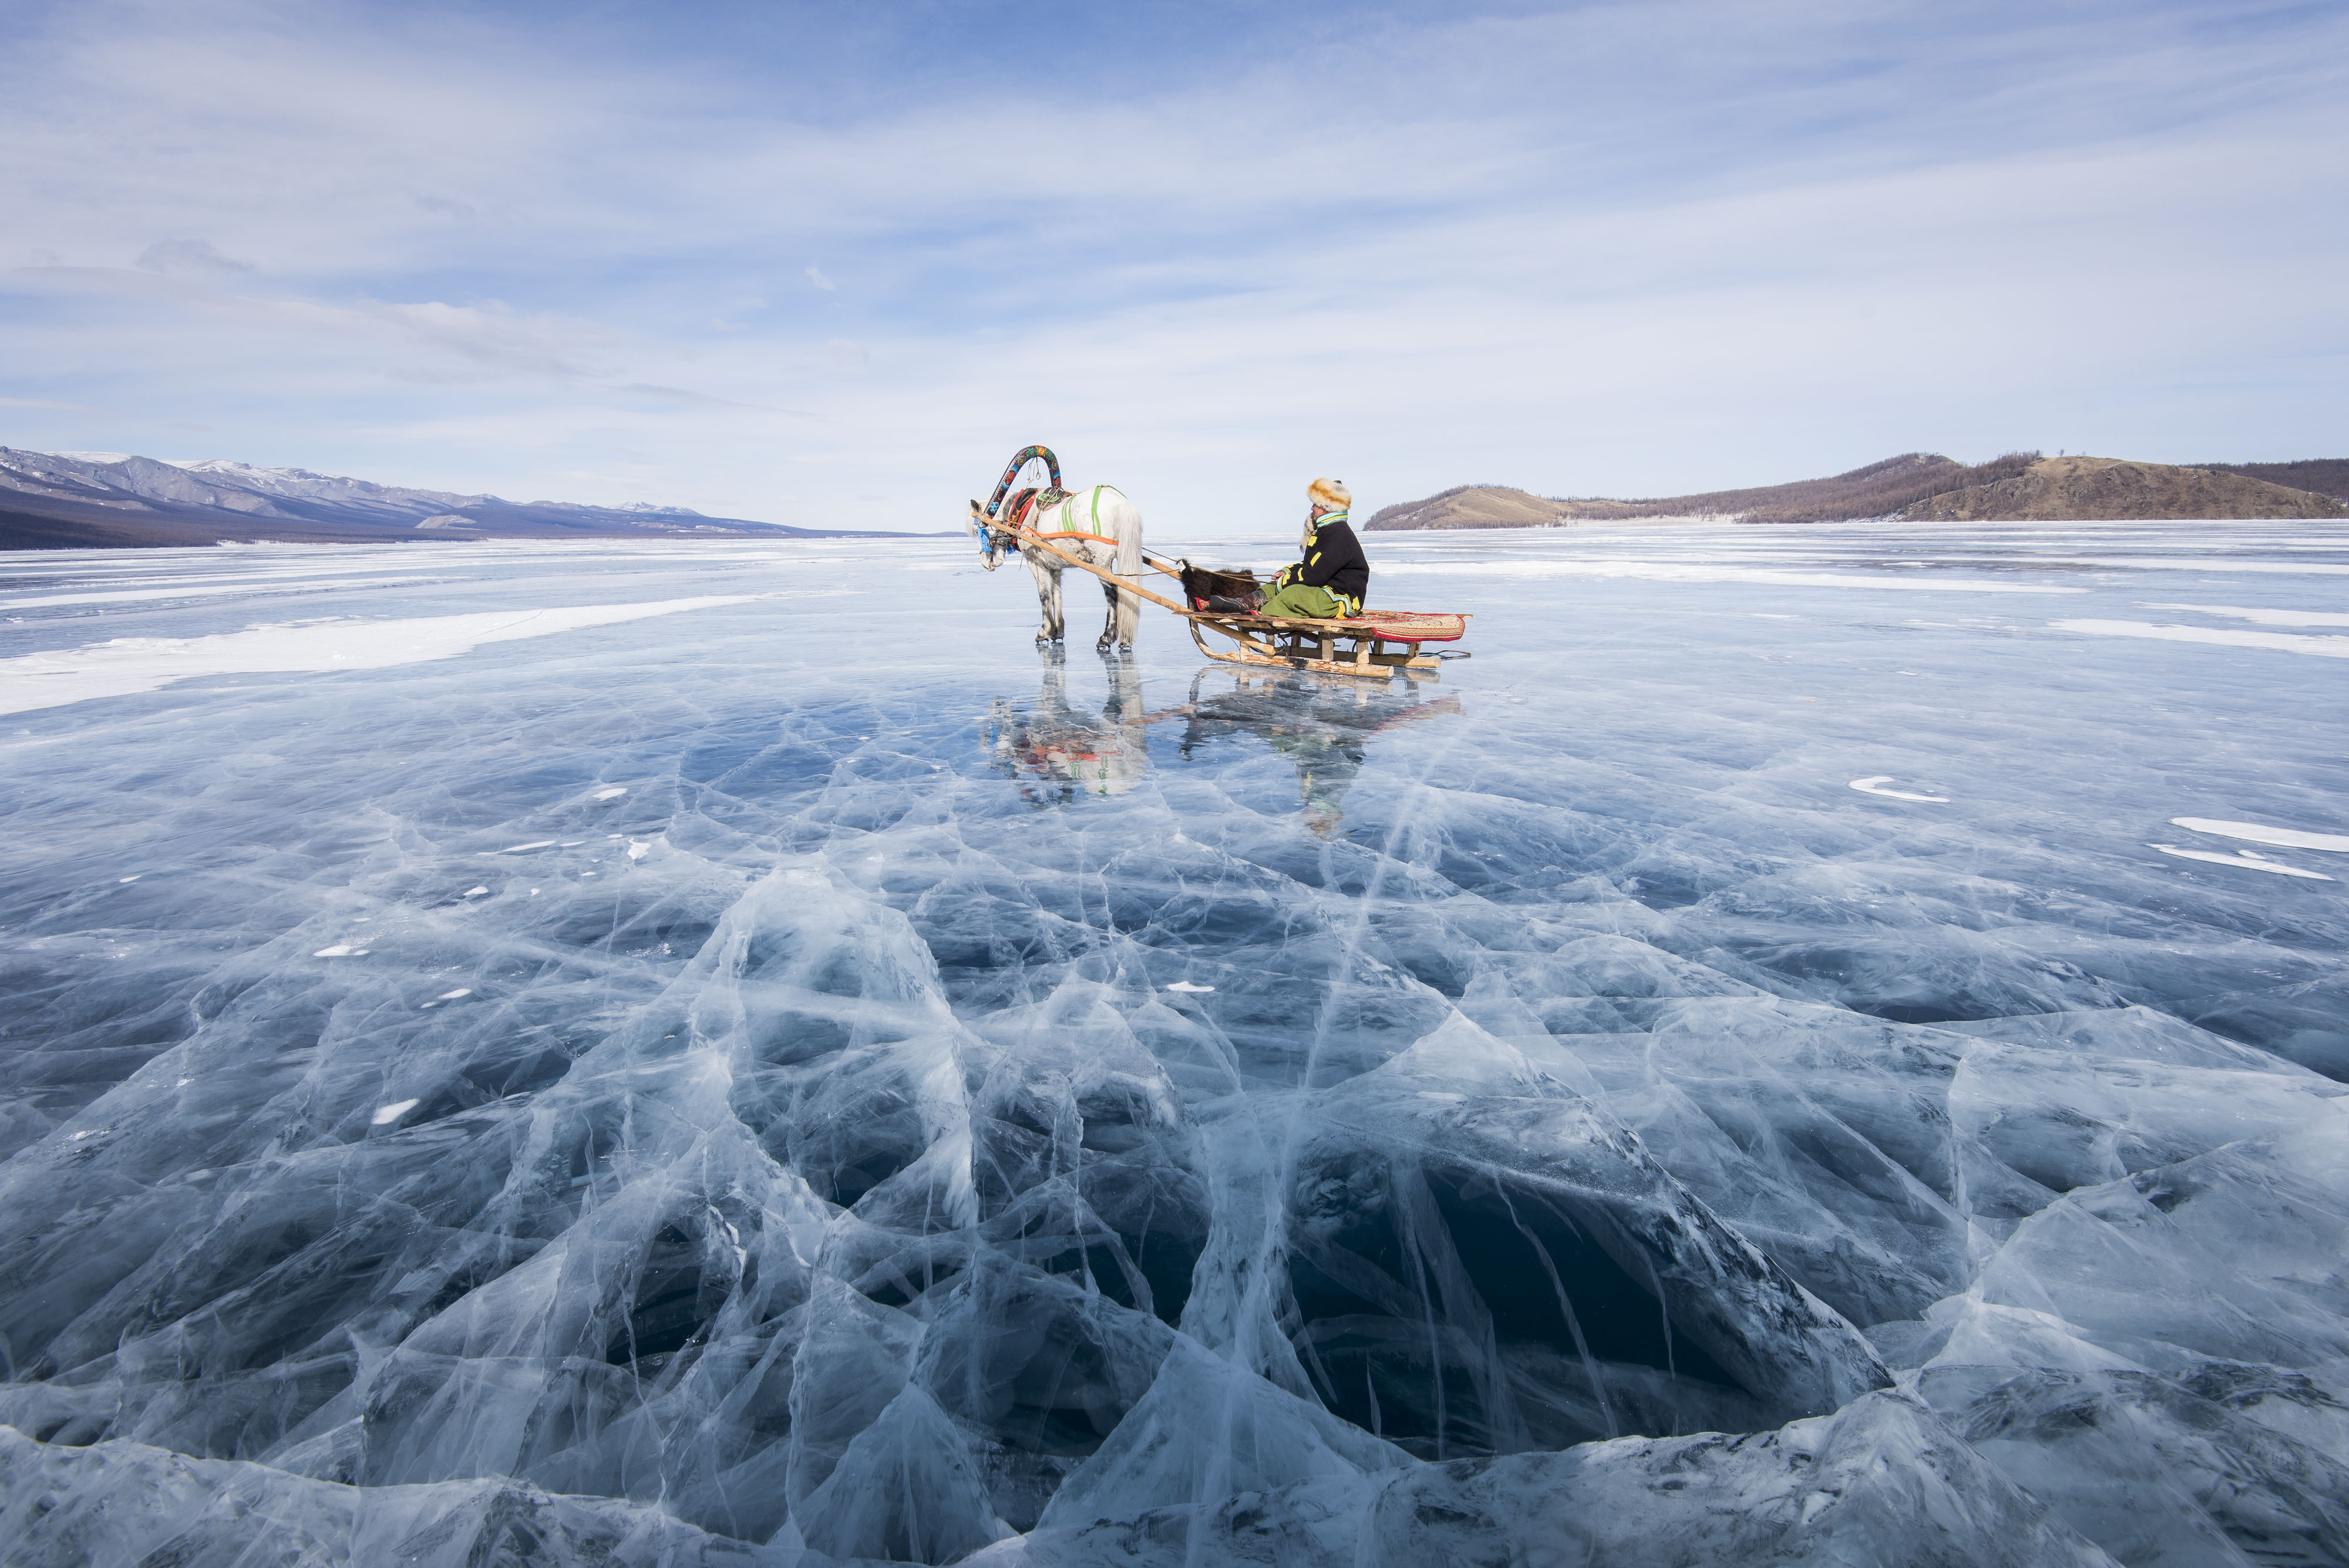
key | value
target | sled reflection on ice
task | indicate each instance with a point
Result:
(1322, 724)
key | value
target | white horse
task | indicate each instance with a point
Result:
(1098, 525)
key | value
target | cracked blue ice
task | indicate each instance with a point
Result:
(1798, 1050)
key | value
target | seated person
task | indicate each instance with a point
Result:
(1329, 582)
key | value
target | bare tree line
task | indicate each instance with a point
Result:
(2323, 476)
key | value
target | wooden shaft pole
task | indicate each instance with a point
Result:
(1110, 578)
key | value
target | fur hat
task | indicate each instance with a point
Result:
(1331, 492)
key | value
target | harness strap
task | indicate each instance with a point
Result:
(1066, 519)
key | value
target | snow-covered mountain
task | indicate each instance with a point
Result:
(119, 480)
(64, 499)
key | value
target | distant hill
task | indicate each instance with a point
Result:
(1876, 491)
(86, 500)
(1470, 506)
(2105, 488)
(1903, 485)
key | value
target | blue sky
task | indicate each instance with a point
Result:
(814, 264)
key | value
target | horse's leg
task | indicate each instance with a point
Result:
(1109, 625)
(1125, 710)
(1048, 598)
(1056, 622)
(1053, 699)
(1124, 704)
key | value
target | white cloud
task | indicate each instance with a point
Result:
(494, 336)
(822, 282)
(189, 255)
(51, 403)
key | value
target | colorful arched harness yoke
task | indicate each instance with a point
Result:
(1025, 499)
(1021, 459)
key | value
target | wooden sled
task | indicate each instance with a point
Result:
(1374, 644)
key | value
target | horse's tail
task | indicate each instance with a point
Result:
(1129, 539)
(1129, 566)
(1025, 455)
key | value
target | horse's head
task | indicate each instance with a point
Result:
(989, 539)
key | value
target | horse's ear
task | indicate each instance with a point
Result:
(974, 509)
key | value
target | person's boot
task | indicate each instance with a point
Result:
(1222, 606)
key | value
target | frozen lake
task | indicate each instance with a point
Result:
(1823, 1041)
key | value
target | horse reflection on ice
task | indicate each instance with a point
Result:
(1057, 753)
(1322, 725)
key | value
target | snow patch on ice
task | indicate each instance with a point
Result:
(199, 590)
(2221, 563)
(2221, 636)
(2248, 859)
(129, 665)
(1708, 572)
(1874, 784)
(2257, 833)
(387, 1115)
(2263, 617)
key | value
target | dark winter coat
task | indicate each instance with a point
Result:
(1334, 560)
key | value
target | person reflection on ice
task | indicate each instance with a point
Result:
(1323, 724)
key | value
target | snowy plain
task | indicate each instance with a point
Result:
(1814, 1044)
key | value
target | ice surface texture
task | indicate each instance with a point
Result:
(614, 1054)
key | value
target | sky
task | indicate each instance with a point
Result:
(832, 265)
